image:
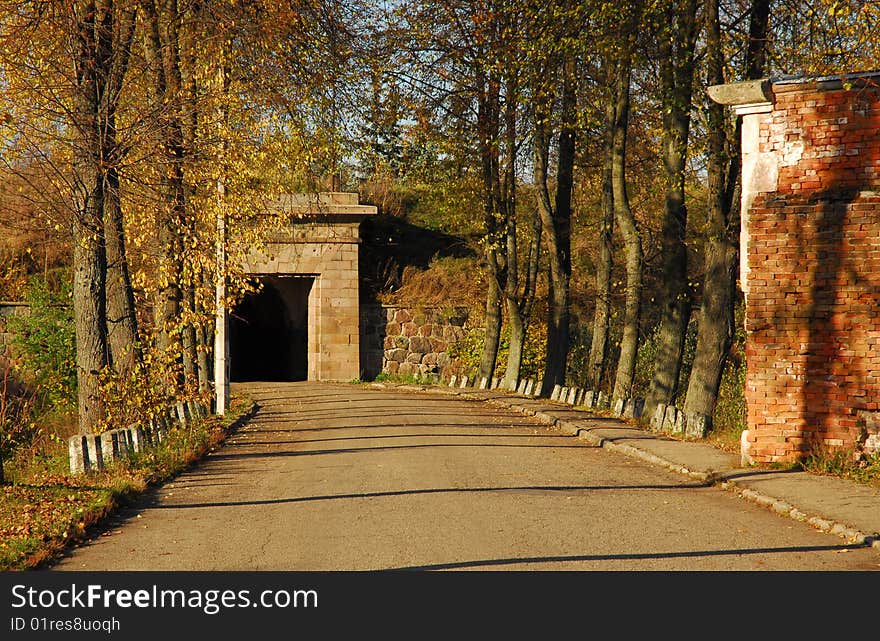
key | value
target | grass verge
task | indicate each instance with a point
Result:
(44, 509)
(844, 464)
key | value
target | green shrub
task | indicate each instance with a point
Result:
(729, 420)
(647, 356)
(845, 463)
(469, 349)
(45, 345)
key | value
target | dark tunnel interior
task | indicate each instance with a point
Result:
(268, 332)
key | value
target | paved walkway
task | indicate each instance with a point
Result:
(845, 508)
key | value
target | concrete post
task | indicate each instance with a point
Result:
(94, 452)
(109, 446)
(76, 447)
(136, 438)
(221, 319)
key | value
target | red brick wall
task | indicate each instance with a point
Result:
(813, 308)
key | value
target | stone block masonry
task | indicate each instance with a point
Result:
(322, 243)
(811, 236)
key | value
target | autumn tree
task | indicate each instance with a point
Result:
(460, 62)
(555, 76)
(617, 64)
(67, 64)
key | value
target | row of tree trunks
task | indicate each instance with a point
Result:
(105, 323)
(176, 317)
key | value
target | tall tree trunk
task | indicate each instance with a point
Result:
(204, 347)
(488, 129)
(677, 39)
(516, 333)
(493, 322)
(193, 275)
(520, 309)
(163, 50)
(629, 344)
(541, 149)
(122, 325)
(92, 31)
(605, 262)
(557, 227)
(517, 295)
(716, 319)
(89, 306)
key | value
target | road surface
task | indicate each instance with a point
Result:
(345, 477)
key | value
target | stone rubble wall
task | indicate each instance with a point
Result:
(411, 341)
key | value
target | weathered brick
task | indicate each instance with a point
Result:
(812, 315)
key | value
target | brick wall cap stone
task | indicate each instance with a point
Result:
(742, 93)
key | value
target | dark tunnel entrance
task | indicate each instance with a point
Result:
(268, 332)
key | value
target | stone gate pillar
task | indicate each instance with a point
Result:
(810, 261)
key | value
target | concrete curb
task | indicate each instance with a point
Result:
(783, 508)
(721, 480)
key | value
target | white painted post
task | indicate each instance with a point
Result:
(78, 457)
(221, 320)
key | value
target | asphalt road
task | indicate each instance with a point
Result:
(344, 477)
